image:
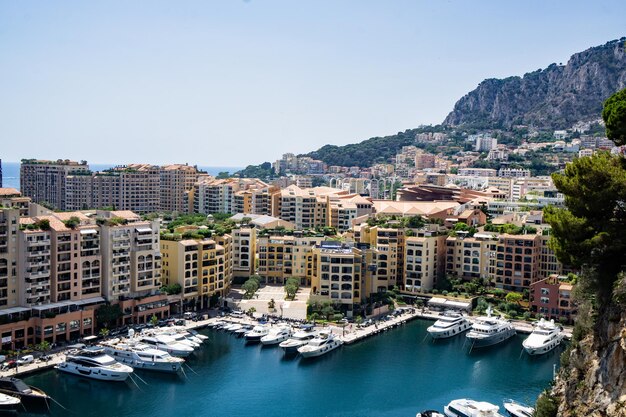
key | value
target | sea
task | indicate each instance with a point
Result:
(393, 374)
(11, 172)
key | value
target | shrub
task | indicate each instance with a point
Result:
(546, 406)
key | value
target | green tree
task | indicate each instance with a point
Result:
(591, 230)
(104, 332)
(546, 406)
(154, 320)
(291, 287)
(108, 314)
(271, 305)
(172, 289)
(250, 287)
(513, 297)
(328, 311)
(614, 115)
(44, 347)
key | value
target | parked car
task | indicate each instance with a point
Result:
(25, 360)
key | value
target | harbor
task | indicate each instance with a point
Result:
(406, 373)
(348, 333)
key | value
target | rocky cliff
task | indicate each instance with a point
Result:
(592, 381)
(554, 98)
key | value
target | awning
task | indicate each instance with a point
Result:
(92, 300)
(13, 310)
(143, 229)
(88, 231)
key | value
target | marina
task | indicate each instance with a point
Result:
(401, 360)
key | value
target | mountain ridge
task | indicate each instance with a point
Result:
(552, 98)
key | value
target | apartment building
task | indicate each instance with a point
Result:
(44, 181)
(517, 262)
(131, 258)
(424, 256)
(282, 257)
(199, 267)
(337, 274)
(232, 195)
(342, 210)
(469, 257)
(176, 182)
(306, 208)
(244, 252)
(385, 257)
(552, 297)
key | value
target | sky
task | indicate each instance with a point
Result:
(232, 82)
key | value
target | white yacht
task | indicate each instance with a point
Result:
(198, 335)
(233, 328)
(488, 330)
(429, 413)
(245, 328)
(516, 409)
(256, 333)
(545, 337)
(8, 403)
(142, 356)
(276, 335)
(471, 408)
(449, 324)
(177, 336)
(94, 363)
(320, 345)
(297, 340)
(167, 344)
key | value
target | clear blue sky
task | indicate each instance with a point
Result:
(231, 83)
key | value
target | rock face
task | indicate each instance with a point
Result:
(556, 97)
(594, 382)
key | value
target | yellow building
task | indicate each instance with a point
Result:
(337, 274)
(282, 257)
(424, 257)
(386, 265)
(469, 257)
(200, 267)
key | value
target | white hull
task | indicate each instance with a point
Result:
(306, 352)
(93, 373)
(274, 340)
(540, 350)
(449, 332)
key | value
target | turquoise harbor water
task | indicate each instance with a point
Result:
(393, 374)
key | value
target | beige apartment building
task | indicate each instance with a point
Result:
(199, 267)
(469, 257)
(176, 182)
(386, 266)
(243, 252)
(282, 257)
(337, 274)
(423, 261)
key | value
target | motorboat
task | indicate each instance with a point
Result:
(323, 343)
(516, 409)
(470, 408)
(142, 356)
(256, 333)
(245, 328)
(488, 331)
(276, 335)
(228, 326)
(545, 336)
(180, 337)
(93, 362)
(429, 413)
(8, 403)
(234, 327)
(33, 399)
(199, 335)
(297, 340)
(449, 324)
(167, 344)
